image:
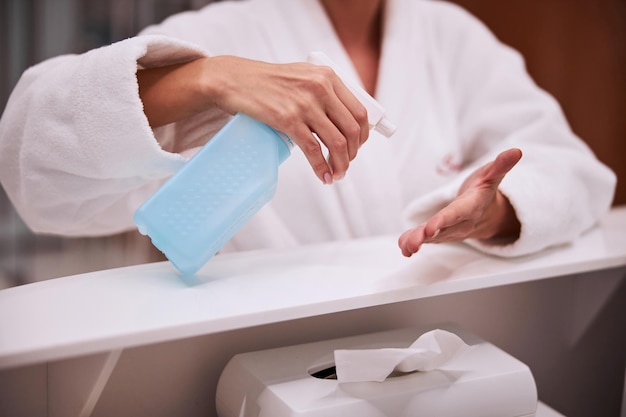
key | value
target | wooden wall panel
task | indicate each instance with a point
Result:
(576, 50)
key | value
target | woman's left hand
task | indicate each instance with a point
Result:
(479, 211)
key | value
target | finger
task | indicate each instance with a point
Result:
(346, 111)
(337, 145)
(457, 233)
(504, 162)
(411, 240)
(349, 127)
(357, 131)
(343, 136)
(458, 211)
(332, 122)
(310, 147)
(454, 213)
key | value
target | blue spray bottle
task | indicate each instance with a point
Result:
(195, 212)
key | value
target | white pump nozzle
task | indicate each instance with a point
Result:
(375, 112)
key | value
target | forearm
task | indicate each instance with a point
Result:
(174, 92)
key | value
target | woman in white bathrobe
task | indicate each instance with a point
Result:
(85, 139)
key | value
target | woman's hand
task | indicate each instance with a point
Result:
(479, 211)
(307, 102)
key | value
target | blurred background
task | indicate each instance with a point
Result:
(31, 31)
(575, 49)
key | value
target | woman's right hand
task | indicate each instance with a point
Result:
(309, 103)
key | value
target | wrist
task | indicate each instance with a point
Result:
(219, 82)
(507, 226)
(211, 83)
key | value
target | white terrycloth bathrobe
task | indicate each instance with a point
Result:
(77, 155)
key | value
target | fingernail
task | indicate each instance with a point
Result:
(340, 177)
(436, 233)
(328, 179)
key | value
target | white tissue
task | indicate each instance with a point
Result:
(430, 351)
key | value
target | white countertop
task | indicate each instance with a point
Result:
(125, 307)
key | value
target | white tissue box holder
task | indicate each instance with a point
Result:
(483, 381)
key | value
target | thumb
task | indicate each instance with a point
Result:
(504, 162)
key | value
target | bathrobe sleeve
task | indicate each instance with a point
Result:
(558, 189)
(77, 155)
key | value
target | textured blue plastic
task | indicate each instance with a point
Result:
(192, 215)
